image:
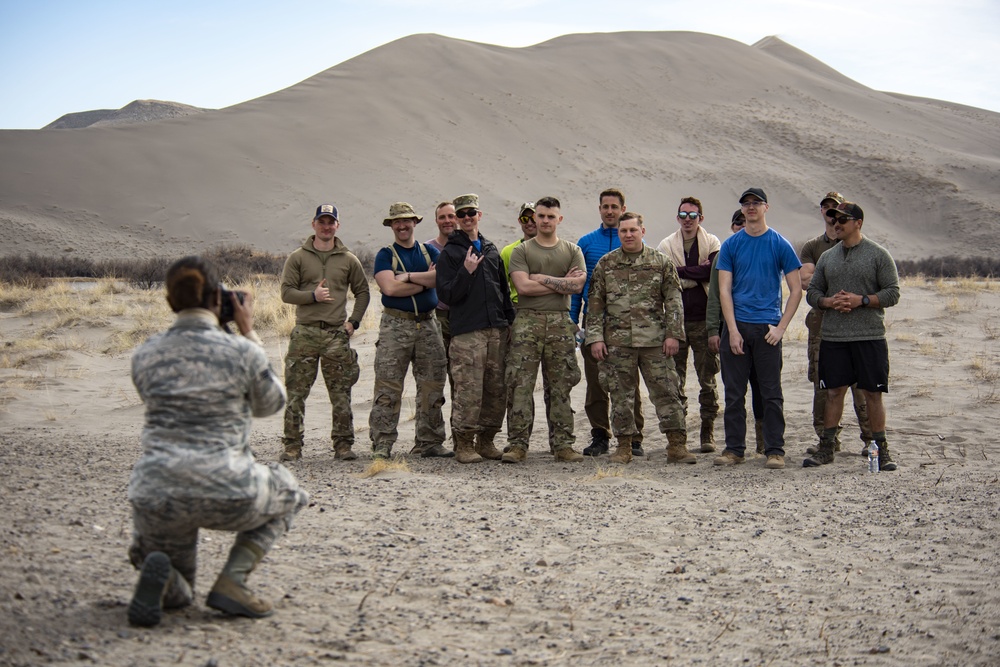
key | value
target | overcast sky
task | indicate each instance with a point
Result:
(62, 56)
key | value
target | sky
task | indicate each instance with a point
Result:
(63, 56)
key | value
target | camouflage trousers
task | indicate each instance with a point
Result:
(706, 365)
(814, 323)
(620, 379)
(310, 348)
(477, 366)
(403, 342)
(444, 321)
(547, 339)
(170, 525)
(597, 405)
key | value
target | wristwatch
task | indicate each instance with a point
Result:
(865, 301)
(355, 324)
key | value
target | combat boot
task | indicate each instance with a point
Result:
(381, 451)
(567, 455)
(707, 435)
(624, 452)
(885, 462)
(637, 449)
(160, 587)
(230, 593)
(293, 452)
(342, 450)
(677, 451)
(514, 454)
(486, 448)
(823, 455)
(434, 451)
(598, 443)
(758, 431)
(465, 448)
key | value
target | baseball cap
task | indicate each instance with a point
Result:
(399, 211)
(846, 210)
(835, 196)
(737, 214)
(756, 192)
(326, 209)
(526, 206)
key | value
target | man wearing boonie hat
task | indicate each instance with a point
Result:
(408, 334)
(751, 264)
(315, 280)
(809, 255)
(472, 280)
(853, 284)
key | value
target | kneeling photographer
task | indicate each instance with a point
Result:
(201, 387)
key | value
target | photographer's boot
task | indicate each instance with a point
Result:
(160, 587)
(230, 593)
(677, 451)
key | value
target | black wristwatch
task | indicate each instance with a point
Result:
(356, 324)
(865, 301)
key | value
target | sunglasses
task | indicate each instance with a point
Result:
(525, 219)
(684, 215)
(739, 224)
(466, 213)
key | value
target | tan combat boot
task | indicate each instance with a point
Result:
(707, 435)
(624, 452)
(677, 451)
(486, 448)
(567, 455)
(342, 451)
(230, 593)
(514, 455)
(293, 452)
(465, 449)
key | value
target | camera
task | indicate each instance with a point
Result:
(226, 305)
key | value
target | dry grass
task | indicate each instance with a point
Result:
(379, 466)
(610, 471)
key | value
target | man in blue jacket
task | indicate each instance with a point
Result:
(595, 245)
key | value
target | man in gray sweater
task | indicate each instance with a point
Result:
(854, 283)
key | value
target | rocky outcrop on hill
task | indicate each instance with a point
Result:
(139, 111)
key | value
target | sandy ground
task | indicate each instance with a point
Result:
(542, 563)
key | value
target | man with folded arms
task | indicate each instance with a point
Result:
(408, 334)
(854, 283)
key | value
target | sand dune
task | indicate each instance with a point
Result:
(660, 114)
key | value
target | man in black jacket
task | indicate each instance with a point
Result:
(472, 280)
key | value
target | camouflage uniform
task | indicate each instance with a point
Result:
(706, 365)
(201, 386)
(634, 305)
(477, 364)
(319, 338)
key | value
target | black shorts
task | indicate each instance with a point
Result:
(865, 362)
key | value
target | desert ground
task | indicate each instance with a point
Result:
(428, 562)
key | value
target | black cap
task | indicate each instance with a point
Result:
(737, 215)
(756, 192)
(846, 210)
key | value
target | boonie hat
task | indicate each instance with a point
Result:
(835, 196)
(326, 209)
(399, 211)
(756, 192)
(466, 201)
(526, 206)
(846, 210)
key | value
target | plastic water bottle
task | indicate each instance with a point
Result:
(872, 456)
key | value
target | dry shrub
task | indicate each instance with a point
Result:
(395, 464)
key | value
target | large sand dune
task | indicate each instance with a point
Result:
(660, 114)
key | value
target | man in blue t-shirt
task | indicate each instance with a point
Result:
(409, 333)
(751, 266)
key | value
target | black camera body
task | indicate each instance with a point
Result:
(226, 305)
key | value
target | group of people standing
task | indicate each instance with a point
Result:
(488, 320)
(457, 307)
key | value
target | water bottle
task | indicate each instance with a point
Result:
(872, 456)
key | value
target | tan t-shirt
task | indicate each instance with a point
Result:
(556, 261)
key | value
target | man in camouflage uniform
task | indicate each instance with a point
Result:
(201, 386)
(408, 334)
(545, 270)
(692, 250)
(809, 256)
(635, 321)
(315, 279)
(471, 279)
